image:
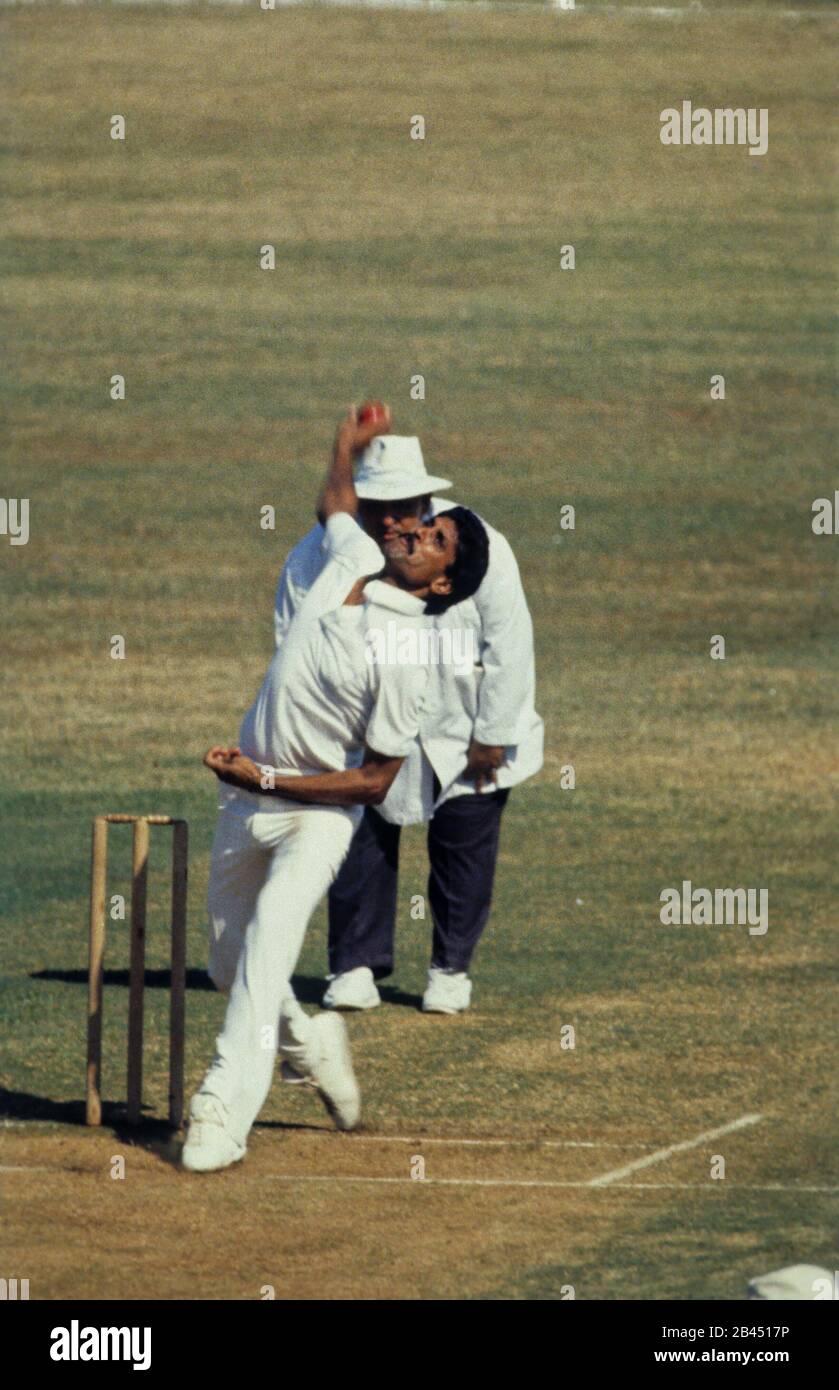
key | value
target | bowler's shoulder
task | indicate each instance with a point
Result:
(345, 541)
(340, 539)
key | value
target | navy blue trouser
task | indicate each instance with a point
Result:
(462, 850)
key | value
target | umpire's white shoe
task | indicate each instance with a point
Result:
(353, 989)
(328, 1067)
(448, 992)
(208, 1145)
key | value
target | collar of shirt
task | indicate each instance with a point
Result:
(389, 596)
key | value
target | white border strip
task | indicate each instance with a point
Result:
(691, 10)
(661, 1155)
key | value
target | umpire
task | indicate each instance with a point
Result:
(480, 736)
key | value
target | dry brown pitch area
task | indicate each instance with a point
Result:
(314, 1214)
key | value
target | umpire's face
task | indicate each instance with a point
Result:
(386, 521)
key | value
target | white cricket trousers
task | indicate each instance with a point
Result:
(268, 872)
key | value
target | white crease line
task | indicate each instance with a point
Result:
(544, 1182)
(500, 1182)
(494, 1143)
(426, 1139)
(704, 1186)
(606, 1179)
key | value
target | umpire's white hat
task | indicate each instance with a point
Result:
(392, 467)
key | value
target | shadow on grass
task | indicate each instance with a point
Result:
(309, 989)
(153, 979)
(22, 1105)
(391, 995)
(151, 1133)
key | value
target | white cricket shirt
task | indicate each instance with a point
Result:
(323, 697)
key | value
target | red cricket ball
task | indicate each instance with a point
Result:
(372, 411)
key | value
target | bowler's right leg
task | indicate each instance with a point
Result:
(278, 866)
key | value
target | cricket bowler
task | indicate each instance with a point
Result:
(325, 737)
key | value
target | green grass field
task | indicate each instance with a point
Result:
(544, 387)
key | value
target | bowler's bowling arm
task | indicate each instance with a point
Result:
(367, 785)
(338, 492)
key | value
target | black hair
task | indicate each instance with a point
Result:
(469, 564)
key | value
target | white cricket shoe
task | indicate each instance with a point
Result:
(353, 989)
(328, 1068)
(208, 1145)
(448, 992)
